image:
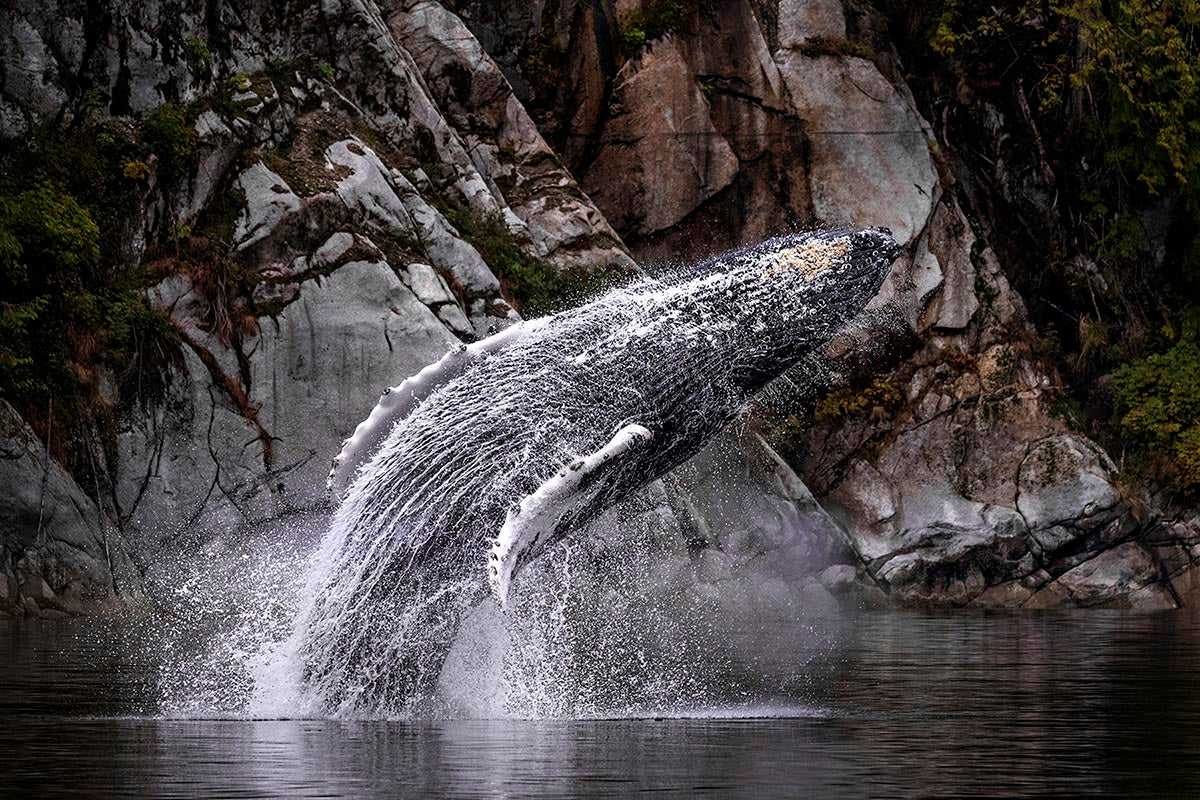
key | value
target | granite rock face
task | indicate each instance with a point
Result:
(950, 479)
(334, 140)
(358, 164)
(59, 553)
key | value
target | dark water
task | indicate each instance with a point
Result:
(901, 705)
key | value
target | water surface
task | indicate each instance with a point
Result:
(898, 705)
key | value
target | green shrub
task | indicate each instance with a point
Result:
(71, 311)
(1113, 99)
(48, 239)
(655, 19)
(847, 402)
(1137, 59)
(169, 132)
(533, 286)
(201, 55)
(542, 62)
(1158, 400)
(633, 39)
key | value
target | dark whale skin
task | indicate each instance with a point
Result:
(673, 360)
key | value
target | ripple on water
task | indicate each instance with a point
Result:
(1076, 704)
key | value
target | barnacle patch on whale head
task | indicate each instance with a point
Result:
(811, 257)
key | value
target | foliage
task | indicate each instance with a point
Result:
(534, 287)
(1137, 59)
(633, 38)
(1158, 400)
(542, 62)
(325, 72)
(73, 320)
(201, 56)
(169, 131)
(654, 19)
(841, 403)
(45, 239)
(1104, 98)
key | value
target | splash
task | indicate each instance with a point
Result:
(504, 448)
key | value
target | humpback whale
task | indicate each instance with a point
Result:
(465, 472)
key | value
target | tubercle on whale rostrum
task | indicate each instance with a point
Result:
(811, 257)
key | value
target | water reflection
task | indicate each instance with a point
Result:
(905, 705)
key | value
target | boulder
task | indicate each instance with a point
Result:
(268, 201)
(1064, 479)
(1126, 576)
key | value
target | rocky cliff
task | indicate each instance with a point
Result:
(361, 185)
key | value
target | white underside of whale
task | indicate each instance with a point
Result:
(530, 525)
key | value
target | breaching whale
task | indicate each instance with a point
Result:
(468, 470)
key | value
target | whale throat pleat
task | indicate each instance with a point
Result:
(399, 401)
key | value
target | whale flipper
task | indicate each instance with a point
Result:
(398, 402)
(530, 525)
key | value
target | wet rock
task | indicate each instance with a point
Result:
(35, 587)
(740, 497)
(1064, 479)
(837, 576)
(1186, 585)
(1125, 576)
(218, 149)
(53, 535)
(1009, 594)
(713, 566)
(813, 597)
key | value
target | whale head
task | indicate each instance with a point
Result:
(793, 293)
(849, 264)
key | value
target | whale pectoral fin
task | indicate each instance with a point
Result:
(531, 525)
(398, 402)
